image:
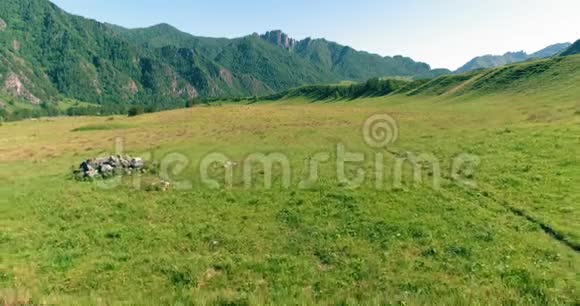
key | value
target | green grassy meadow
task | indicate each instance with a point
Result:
(512, 239)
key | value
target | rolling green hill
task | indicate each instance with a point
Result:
(558, 75)
(47, 55)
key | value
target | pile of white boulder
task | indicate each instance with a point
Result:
(110, 166)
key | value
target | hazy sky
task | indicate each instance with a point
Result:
(443, 33)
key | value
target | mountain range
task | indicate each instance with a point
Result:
(573, 49)
(47, 54)
(492, 61)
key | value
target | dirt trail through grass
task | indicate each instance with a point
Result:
(555, 234)
(548, 229)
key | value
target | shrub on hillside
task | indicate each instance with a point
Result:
(135, 111)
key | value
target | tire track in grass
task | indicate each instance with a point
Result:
(549, 230)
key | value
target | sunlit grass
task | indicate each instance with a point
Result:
(70, 242)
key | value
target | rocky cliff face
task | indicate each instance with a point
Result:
(14, 86)
(280, 39)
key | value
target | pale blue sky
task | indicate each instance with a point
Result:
(444, 33)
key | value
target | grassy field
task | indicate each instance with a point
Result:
(512, 238)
